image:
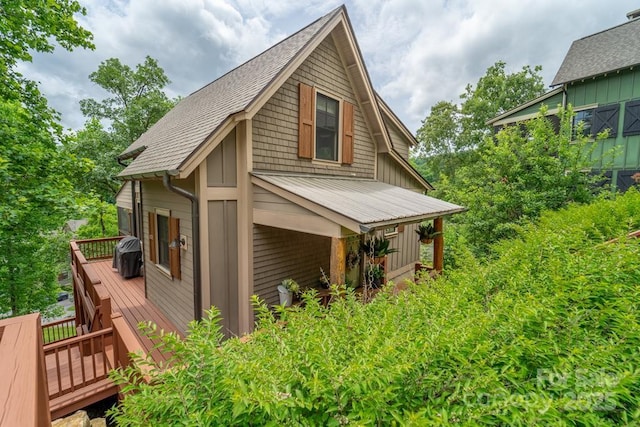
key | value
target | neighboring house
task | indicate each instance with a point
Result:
(599, 78)
(275, 170)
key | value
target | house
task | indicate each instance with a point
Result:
(599, 79)
(278, 169)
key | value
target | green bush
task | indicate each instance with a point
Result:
(546, 333)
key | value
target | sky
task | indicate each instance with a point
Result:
(417, 52)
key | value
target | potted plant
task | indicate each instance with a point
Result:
(287, 289)
(378, 246)
(427, 232)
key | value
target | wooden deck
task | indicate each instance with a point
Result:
(127, 297)
(108, 311)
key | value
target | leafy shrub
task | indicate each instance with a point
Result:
(546, 333)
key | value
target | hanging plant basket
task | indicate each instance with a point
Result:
(426, 241)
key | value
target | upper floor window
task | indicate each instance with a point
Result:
(582, 122)
(326, 128)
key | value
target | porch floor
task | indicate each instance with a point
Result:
(127, 297)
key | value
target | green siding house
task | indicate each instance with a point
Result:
(600, 79)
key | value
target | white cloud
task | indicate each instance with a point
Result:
(417, 52)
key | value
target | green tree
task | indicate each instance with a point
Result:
(137, 101)
(32, 26)
(36, 192)
(517, 175)
(450, 133)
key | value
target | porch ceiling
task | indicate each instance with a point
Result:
(357, 204)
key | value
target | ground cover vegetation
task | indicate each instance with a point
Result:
(545, 332)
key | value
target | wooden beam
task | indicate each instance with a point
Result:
(338, 260)
(438, 245)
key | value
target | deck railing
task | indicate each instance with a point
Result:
(92, 301)
(78, 361)
(59, 330)
(98, 248)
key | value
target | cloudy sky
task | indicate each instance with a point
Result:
(418, 52)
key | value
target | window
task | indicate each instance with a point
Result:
(582, 118)
(163, 240)
(326, 128)
(631, 118)
(124, 221)
(164, 235)
(391, 231)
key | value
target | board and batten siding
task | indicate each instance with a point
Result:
(275, 126)
(174, 297)
(621, 152)
(223, 262)
(390, 172)
(282, 254)
(408, 254)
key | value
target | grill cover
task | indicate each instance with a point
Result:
(127, 257)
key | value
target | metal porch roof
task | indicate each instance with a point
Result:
(370, 203)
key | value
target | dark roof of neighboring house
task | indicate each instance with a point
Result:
(167, 144)
(614, 49)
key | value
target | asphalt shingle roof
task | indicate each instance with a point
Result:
(610, 50)
(183, 129)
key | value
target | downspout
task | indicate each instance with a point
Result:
(134, 231)
(195, 224)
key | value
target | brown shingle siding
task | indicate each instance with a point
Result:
(275, 126)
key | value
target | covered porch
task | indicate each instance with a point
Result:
(328, 219)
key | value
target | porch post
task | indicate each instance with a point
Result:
(438, 245)
(338, 260)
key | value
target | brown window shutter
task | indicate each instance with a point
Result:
(152, 237)
(347, 133)
(305, 122)
(174, 247)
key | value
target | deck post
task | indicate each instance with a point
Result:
(438, 245)
(338, 260)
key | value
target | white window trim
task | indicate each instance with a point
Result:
(167, 213)
(339, 99)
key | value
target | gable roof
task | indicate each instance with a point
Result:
(614, 49)
(168, 143)
(506, 116)
(177, 142)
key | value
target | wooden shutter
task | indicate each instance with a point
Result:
(606, 117)
(152, 238)
(347, 133)
(631, 118)
(174, 247)
(306, 122)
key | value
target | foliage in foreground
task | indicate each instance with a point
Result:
(545, 334)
